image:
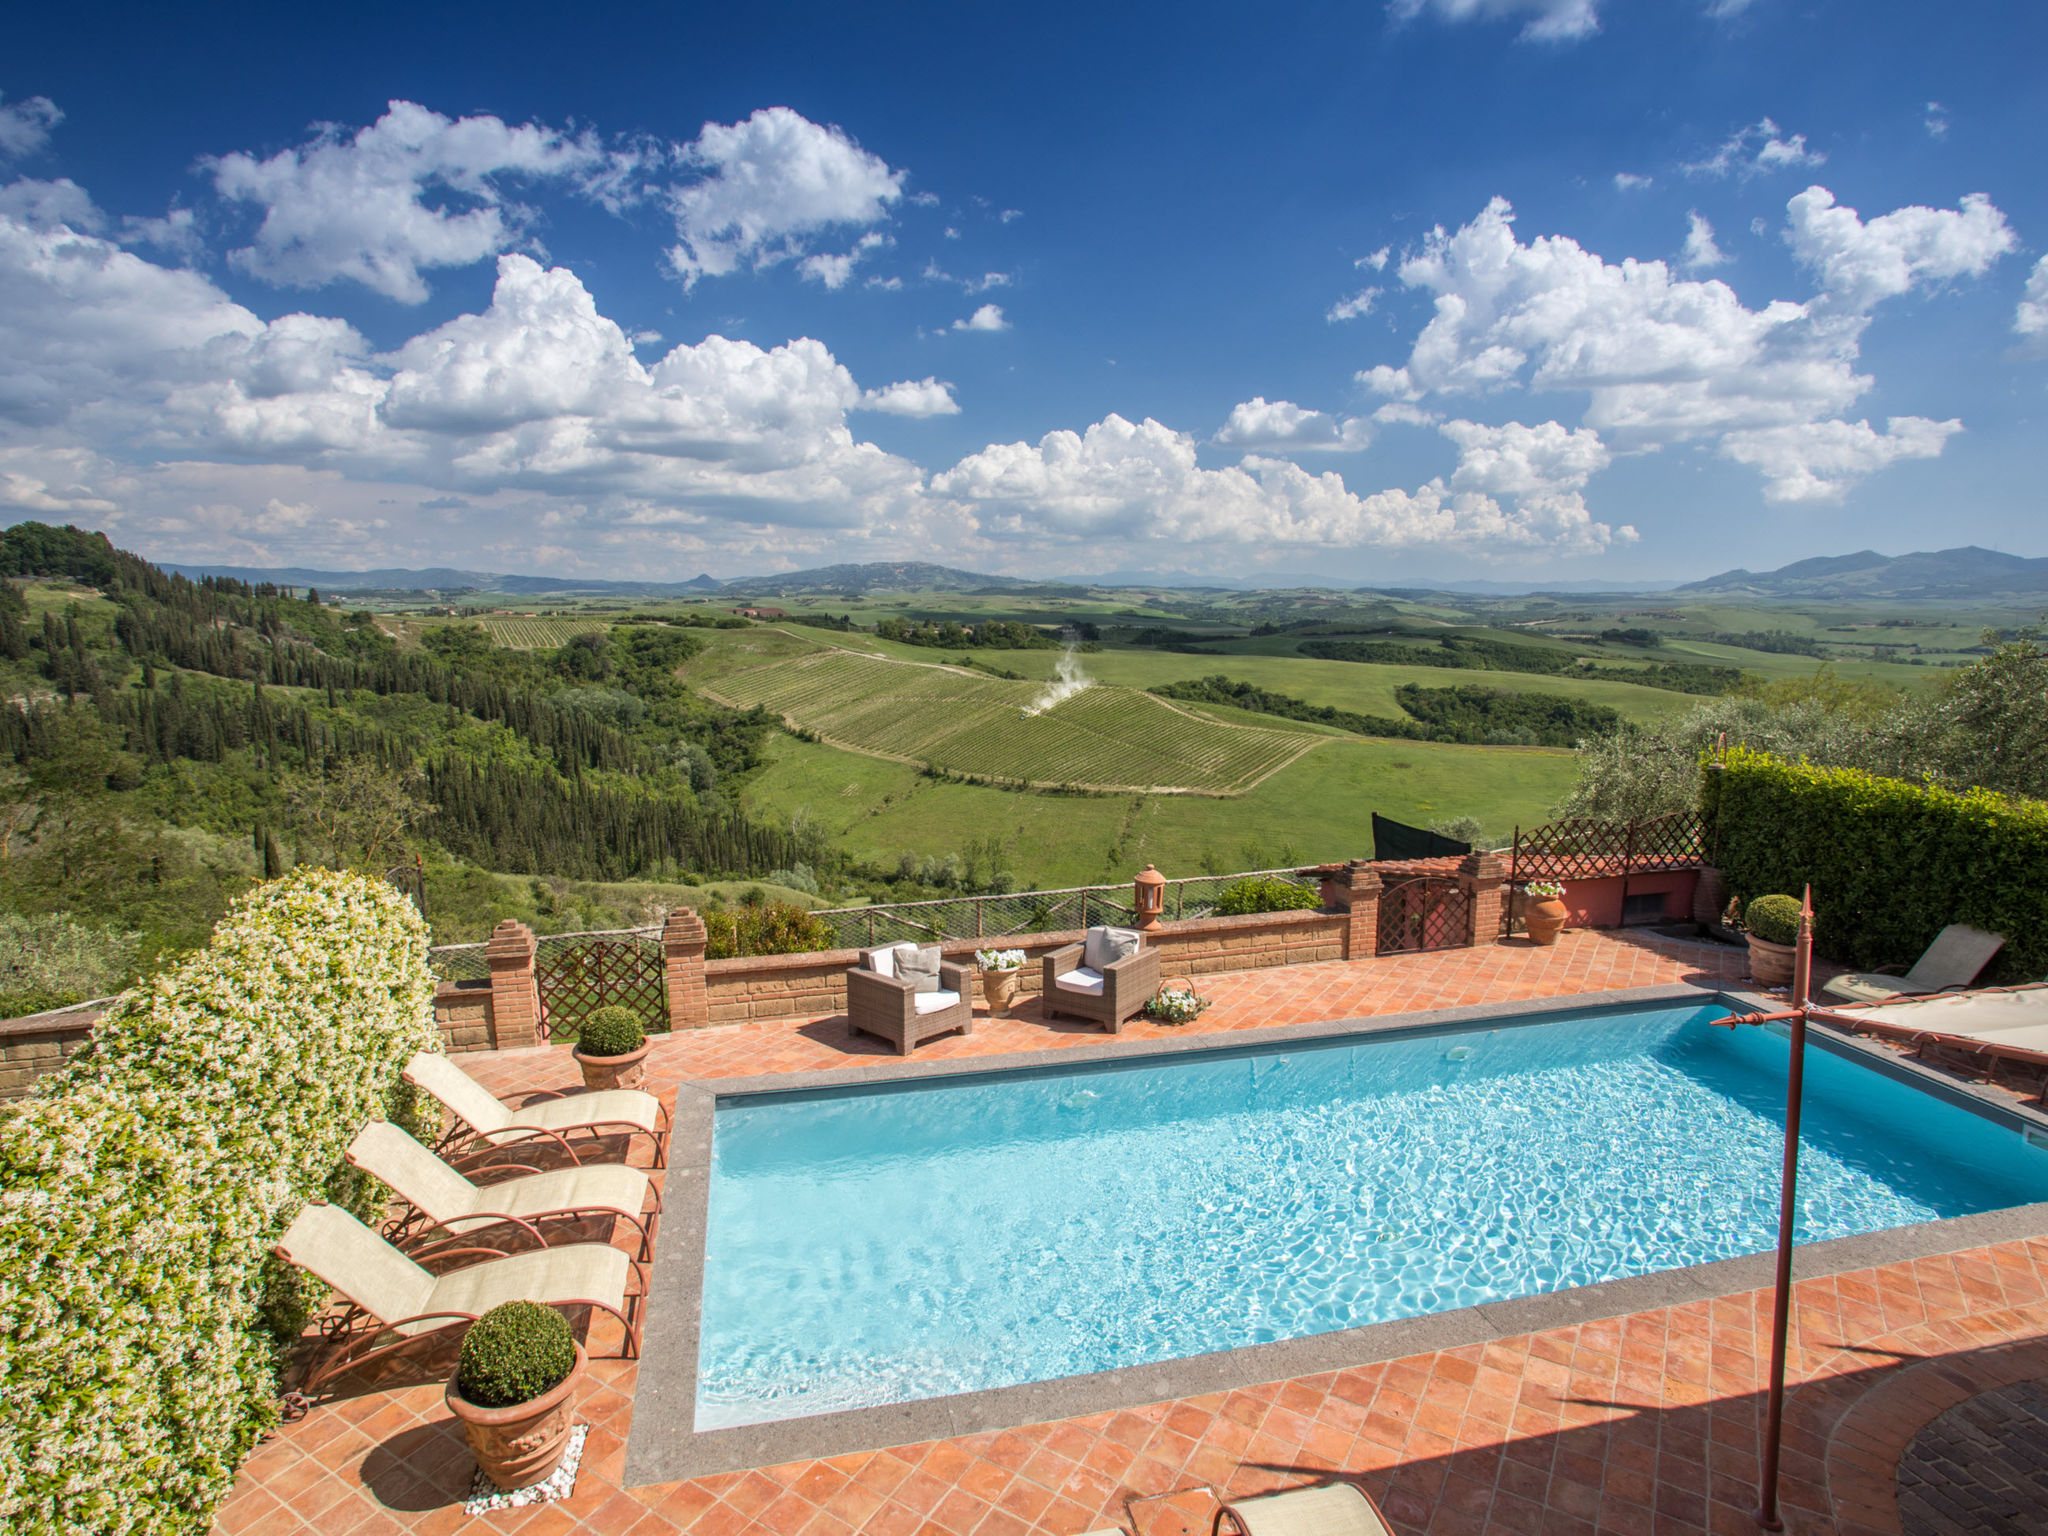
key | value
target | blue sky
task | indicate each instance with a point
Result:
(1556, 289)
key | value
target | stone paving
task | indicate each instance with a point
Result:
(1640, 1425)
(1980, 1467)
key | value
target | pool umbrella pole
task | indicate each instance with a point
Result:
(1781, 1302)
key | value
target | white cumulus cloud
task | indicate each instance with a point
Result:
(1629, 181)
(1357, 305)
(833, 271)
(768, 183)
(1548, 20)
(25, 126)
(1665, 359)
(2031, 318)
(987, 318)
(1859, 264)
(355, 205)
(1700, 250)
(1754, 150)
(912, 397)
(1140, 481)
(1281, 425)
(1820, 460)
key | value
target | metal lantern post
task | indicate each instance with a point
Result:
(1767, 1515)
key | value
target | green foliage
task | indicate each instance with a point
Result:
(1891, 863)
(994, 634)
(611, 1031)
(141, 1189)
(515, 1352)
(52, 960)
(1265, 893)
(1477, 653)
(1496, 718)
(1774, 919)
(769, 928)
(1778, 642)
(1643, 638)
(1986, 728)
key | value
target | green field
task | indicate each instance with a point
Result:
(523, 634)
(918, 712)
(1317, 808)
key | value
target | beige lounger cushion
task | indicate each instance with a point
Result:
(328, 1242)
(2017, 1019)
(1081, 979)
(932, 1002)
(384, 1151)
(493, 1120)
(1338, 1510)
(1956, 958)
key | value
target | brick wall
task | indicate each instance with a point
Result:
(35, 1046)
(462, 1012)
(795, 986)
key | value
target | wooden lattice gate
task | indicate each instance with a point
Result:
(577, 976)
(1424, 913)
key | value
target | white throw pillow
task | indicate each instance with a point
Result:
(883, 961)
(1105, 946)
(932, 1002)
(920, 967)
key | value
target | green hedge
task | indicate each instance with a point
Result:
(141, 1189)
(1891, 863)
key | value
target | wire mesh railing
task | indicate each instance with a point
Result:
(990, 918)
(611, 960)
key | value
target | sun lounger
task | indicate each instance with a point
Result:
(2000, 1027)
(556, 1118)
(445, 1202)
(1956, 958)
(1336, 1509)
(389, 1294)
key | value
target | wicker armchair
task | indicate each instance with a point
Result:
(1118, 992)
(885, 1006)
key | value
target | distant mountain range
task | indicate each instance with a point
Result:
(1969, 572)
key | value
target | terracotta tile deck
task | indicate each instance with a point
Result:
(1641, 1425)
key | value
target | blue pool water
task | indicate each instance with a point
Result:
(879, 1244)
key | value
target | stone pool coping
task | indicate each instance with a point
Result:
(662, 1448)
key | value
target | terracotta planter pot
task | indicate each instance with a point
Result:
(1543, 918)
(523, 1444)
(1709, 896)
(999, 989)
(601, 1072)
(1770, 965)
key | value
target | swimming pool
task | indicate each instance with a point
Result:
(891, 1242)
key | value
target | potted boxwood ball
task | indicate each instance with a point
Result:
(1773, 924)
(513, 1390)
(611, 1048)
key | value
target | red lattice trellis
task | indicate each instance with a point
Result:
(1424, 914)
(575, 980)
(1586, 848)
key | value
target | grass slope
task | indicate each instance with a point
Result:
(1319, 807)
(974, 723)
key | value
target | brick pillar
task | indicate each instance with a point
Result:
(1482, 876)
(1357, 890)
(682, 958)
(515, 1000)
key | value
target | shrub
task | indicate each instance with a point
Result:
(514, 1353)
(48, 961)
(611, 1031)
(1774, 919)
(141, 1189)
(1265, 893)
(1891, 863)
(773, 928)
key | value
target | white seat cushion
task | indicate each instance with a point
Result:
(1081, 980)
(932, 1002)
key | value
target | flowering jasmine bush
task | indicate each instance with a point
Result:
(141, 1188)
(999, 959)
(1543, 888)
